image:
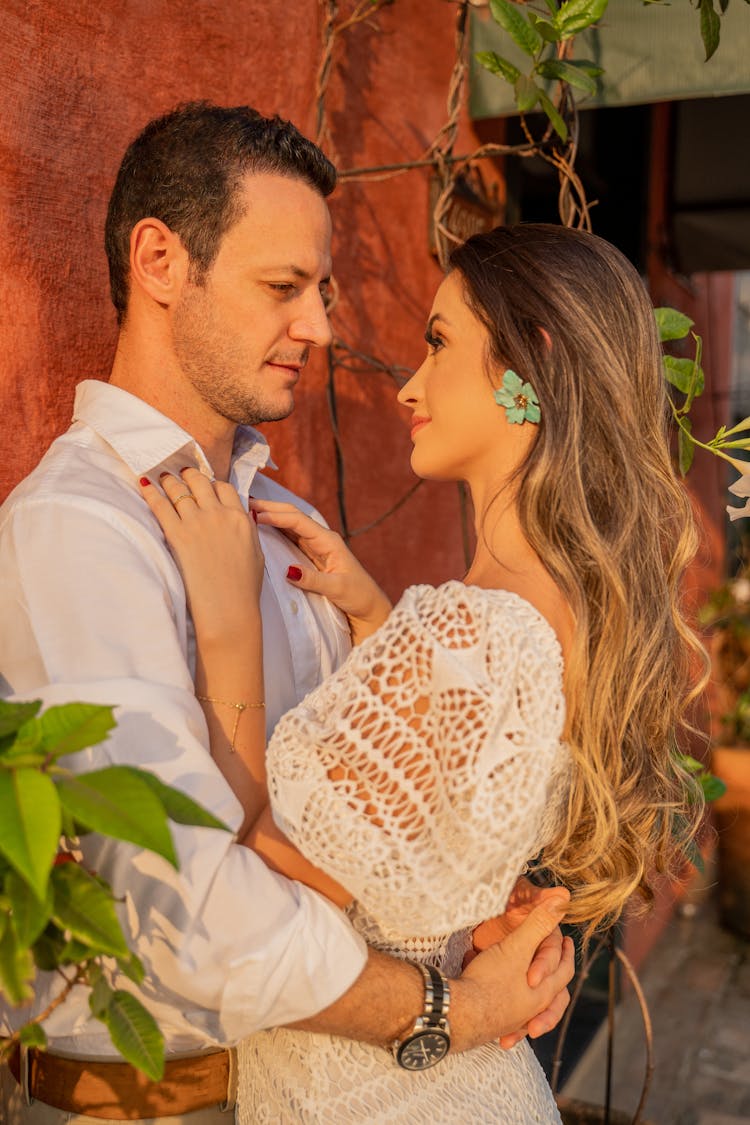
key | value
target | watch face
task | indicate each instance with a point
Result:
(423, 1050)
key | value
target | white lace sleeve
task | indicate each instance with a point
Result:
(429, 768)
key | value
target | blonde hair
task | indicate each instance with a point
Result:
(601, 505)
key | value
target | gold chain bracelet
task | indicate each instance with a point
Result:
(238, 707)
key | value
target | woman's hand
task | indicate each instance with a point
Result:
(216, 547)
(335, 573)
(523, 899)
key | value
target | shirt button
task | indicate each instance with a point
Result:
(294, 607)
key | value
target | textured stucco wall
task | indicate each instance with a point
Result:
(81, 78)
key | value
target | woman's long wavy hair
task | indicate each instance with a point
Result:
(600, 503)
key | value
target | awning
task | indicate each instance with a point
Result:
(649, 52)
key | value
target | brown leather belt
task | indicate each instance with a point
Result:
(115, 1089)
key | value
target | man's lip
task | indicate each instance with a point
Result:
(417, 423)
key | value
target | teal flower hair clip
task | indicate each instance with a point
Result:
(518, 398)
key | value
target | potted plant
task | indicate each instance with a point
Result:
(727, 615)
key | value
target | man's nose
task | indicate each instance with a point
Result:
(312, 324)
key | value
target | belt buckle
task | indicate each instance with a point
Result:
(24, 1068)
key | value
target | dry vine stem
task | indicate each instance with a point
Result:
(338, 19)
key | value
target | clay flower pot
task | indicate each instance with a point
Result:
(732, 817)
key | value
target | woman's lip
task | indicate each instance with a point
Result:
(417, 424)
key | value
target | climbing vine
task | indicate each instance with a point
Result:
(546, 34)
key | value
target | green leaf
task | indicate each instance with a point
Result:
(14, 715)
(29, 825)
(565, 72)
(132, 967)
(693, 855)
(518, 27)
(710, 27)
(177, 805)
(33, 1035)
(135, 1034)
(588, 67)
(527, 93)
(672, 325)
(16, 968)
(493, 62)
(547, 30)
(713, 787)
(74, 726)
(576, 15)
(685, 447)
(47, 949)
(100, 996)
(75, 952)
(29, 915)
(681, 373)
(689, 763)
(557, 122)
(117, 802)
(85, 909)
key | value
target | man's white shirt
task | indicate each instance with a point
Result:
(93, 609)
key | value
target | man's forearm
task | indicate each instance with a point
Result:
(491, 999)
(380, 1006)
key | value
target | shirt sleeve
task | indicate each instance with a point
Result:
(424, 774)
(93, 610)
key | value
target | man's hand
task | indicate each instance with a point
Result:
(524, 897)
(498, 996)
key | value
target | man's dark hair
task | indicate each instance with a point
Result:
(185, 169)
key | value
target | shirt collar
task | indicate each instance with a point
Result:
(145, 438)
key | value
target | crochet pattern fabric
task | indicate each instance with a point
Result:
(422, 776)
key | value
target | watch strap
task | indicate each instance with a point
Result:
(437, 996)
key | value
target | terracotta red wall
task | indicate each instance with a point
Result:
(80, 79)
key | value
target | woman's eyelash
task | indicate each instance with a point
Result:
(433, 342)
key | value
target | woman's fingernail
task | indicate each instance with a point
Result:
(254, 514)
(184, 467)
(294, 574)
(164, 474)
(144, 481)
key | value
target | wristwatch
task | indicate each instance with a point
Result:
(430, 1038)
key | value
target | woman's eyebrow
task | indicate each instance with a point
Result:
(434, 317)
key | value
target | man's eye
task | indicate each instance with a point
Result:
(281, 286)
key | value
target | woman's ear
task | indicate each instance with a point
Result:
(158, 261)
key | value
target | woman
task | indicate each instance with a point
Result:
(529, 710)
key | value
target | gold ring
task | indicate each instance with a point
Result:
(184, 496)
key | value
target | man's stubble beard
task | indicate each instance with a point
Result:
(215, 365)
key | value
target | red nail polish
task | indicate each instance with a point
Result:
(294, 574)
(144, 481)
(254, 514)
(164, 474)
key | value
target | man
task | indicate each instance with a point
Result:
(218, 239)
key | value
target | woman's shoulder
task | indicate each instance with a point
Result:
(462, 616)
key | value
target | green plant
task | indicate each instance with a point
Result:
(686, 376)
(55, 915)
(544, 40)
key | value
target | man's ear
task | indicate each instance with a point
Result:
(158, 261)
